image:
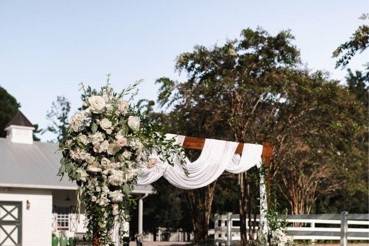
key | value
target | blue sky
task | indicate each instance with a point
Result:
(48, 47)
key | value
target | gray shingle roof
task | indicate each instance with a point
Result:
(36, 166)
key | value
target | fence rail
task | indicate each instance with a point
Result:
(300, 227)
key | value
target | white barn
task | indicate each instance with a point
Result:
(34, 201)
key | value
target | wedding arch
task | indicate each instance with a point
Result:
(217, 156)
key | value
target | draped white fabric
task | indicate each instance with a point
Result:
(216, 157)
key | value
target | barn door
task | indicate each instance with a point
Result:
(10, 223)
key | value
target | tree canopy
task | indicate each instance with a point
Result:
(9, 107)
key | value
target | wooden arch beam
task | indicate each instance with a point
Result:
(198, 144)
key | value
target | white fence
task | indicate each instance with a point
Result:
(300, 227)
(70, 224)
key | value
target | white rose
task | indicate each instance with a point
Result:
(90, 159)
(126, 154)
(132, 173)
(106, 125)
(101, 147)
(97, 104)
(134, 122)
(93, 169)
(123, 106)
(105, 162)
(79, 154)
(109, 107)
(136, 144)
(78, 121)
(121, 140)
(103, 201)
(116, 178)
(96, 138)
(113, 149)
(116, 196)
(83, 139)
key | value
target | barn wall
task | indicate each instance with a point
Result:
(36, 221)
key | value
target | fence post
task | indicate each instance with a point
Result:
(344, 228)
(229, 229)
(312, 225)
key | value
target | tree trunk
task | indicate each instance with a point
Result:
(201, 201)
(95, 239)
(243, 208)
(249, 208)
(154, 235)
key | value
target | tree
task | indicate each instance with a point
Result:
(321, 135)
(225, 84)
(9, 107)
(59, 116)
(358, 81)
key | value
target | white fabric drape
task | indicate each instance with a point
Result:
(216, 157)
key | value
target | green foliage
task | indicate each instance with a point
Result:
(358, 42)
(59, 117)
(9, 107)
(37, 131)
(276, 220)
(358, 83)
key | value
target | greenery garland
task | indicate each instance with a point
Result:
(106, 143)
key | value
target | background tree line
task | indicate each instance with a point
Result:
(254, 89)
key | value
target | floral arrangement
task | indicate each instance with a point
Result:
(107, 142)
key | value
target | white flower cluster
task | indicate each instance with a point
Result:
(102, 150)
(280, 238)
